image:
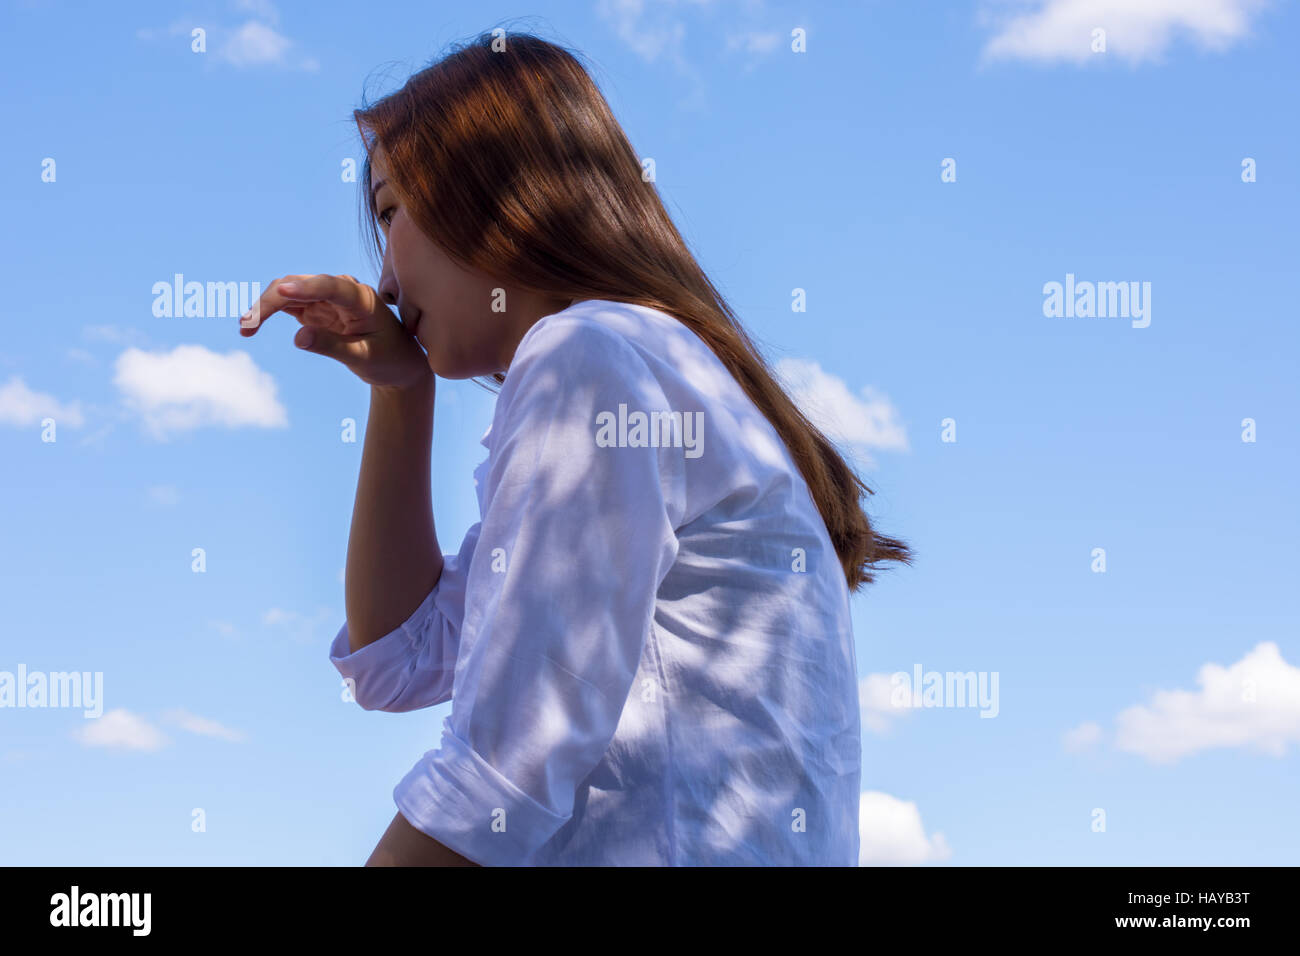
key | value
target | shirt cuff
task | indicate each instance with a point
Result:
(372, 669)
(456, 797)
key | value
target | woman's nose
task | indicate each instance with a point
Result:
(387, 287)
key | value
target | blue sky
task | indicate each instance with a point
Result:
(1159, 697)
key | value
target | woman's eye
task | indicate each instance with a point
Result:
(389, 220)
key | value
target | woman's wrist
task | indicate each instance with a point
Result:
(421, 388)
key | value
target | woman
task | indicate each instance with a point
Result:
(646, 638)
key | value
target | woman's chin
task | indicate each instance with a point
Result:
(444, 370)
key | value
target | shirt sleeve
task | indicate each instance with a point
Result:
(576, 538)
(412, 666)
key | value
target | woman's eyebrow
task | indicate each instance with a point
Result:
(375, 188)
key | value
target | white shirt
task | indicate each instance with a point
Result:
(647, 647)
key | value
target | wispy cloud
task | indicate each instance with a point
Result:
(96, 438)
(1135, 30)
(259, 8)
(892, 833)
(256, 42)
(755, 41)
(656, 32)
(113, 334)
(191, 386)
(224, 628)
(119, 729)
(22, 407)
(650, 28)
(1253, 704)
(300, 627)
(1084, 737)
(202, 726)
(864, 422)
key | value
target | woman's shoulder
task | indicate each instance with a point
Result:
(632, 375)
(611, 348)
(591, 322)
(594, 340)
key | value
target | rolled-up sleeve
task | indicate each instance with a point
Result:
(412, 666)
(575, 539)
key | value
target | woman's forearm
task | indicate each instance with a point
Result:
(393, 555)
(404, 845)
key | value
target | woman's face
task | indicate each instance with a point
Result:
(448, 307)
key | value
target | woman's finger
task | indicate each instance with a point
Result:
(324, 342)
(316, 314)
(342, 303)
(323, 288)
(354, 306)
(267, 304)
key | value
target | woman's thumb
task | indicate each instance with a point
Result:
(330, 344)
(320, 341)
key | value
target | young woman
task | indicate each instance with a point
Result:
(646, 639)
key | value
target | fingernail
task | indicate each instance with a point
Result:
(303, 339)
(288, 288)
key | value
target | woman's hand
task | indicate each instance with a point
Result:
(345, 319)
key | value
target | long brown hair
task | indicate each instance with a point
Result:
(506, 153)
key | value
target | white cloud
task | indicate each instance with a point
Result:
(202, 725)
(21, 406)
(1084, 737)
(254, 44)
(190, 387)
(892, 833)
(1253, 704)
(869, 422)
(121, 730)
(259, 44)
(656, 29)
(874, 698)
(1136, 30)
(645, 27)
